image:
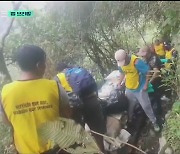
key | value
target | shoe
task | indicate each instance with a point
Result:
(156, 127)
(164, 98)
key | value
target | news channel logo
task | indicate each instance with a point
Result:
(17, 14)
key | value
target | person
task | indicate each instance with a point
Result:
(171, 55)
(31, 101)
(135, 71)
(170, 63)
(81, 82)
(159, 49)
(155, 79)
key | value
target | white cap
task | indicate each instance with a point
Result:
(120, 57)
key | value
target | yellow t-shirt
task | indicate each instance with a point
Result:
(28, 104)
(132, 75)
(159, 49)
(169, 54)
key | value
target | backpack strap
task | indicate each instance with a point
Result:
(59, 91)
(57, 80)
(64, 104)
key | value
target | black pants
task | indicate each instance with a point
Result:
(91, 111)
(93, 114)
(158, 93)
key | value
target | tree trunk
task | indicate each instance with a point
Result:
(3, 67)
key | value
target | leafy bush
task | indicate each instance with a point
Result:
(66, 134)
(171, 79)
(6, 140)
(172, 128)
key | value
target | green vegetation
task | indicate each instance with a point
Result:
(66, 133)
(6, 140)
(172, 128)
(93, 31)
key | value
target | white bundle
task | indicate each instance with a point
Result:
(110, 84)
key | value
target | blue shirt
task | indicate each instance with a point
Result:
(143, 69)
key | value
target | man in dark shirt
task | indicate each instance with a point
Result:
(155, 79)
(90, 108)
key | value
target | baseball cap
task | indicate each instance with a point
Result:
(120, 57)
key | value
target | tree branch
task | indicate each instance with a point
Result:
(16, 7)
(3, 67)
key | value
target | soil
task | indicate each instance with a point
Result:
(149, 140)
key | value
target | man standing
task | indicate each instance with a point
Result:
(155, 79)
(135, 70)
(31, 101)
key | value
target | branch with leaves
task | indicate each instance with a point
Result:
(66, 134)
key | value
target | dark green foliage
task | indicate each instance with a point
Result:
(172, 128)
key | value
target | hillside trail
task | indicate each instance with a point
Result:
(149, 140)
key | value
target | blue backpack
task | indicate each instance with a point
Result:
(79, 79)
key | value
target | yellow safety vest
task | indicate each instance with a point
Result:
(159, 49)
(29, 104)
(168, 56)
(64, 82)
(132, 75)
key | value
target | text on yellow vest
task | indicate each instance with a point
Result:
(28, 104)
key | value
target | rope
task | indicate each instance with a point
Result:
(118, 141)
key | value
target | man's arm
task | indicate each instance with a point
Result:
(175, 54)
(155, 63)
(65, 110)
(121, 77)
(4, 118)
(156, 73)
(143, 68)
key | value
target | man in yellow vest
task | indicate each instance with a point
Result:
(171, 55)
(91, 109)
(159, 49)
(134, 70)
(31, 101)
